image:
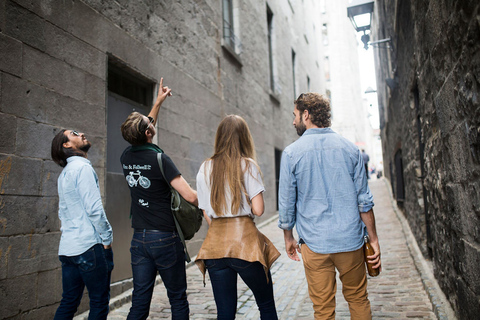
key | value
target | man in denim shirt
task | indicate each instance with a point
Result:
(324, 192)
(85, 245)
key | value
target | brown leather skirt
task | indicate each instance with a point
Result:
(236, 237)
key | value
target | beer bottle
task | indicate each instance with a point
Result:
(368, 251)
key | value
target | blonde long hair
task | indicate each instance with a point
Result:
(233, 143)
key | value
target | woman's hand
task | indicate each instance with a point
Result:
(209, 221)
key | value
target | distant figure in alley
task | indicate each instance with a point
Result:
(324, 193)
(365, 158)
(85, 245)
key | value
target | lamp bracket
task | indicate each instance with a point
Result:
(376, 44)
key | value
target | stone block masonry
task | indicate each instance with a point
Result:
(432, 119)
(55, 58)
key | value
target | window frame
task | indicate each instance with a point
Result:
(230, 29)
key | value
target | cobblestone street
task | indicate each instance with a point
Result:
(397, 293)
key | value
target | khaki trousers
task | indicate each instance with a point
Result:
(321, 278)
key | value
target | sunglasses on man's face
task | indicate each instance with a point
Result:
(150, 121)
(75, 133)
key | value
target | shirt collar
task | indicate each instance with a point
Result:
(318, 131)
(78, 158)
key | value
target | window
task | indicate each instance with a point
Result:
(326, 67)
(293, 75)
(128, 92)
(323, 7)
(270, 48)
(126, 85)
(325, 34)
(230, 26)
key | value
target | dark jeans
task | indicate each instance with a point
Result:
(91, 269)
(223, 275)
(162, 252)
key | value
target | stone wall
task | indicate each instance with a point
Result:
(54, 58)
(430, 112)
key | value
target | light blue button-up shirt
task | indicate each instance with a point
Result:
(323, 189)
(84, 222)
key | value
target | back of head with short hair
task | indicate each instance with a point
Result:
(133, 129)
(318, 107)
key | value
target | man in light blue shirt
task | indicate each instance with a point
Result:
(324, 192)
(85, 245)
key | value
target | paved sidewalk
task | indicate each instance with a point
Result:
(397, 293)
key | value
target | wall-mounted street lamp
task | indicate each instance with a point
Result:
(360, 14)
(370, 90)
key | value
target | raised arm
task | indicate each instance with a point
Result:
(163, 93)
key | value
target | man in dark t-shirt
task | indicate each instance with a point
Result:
(156, 245)
(150, 192)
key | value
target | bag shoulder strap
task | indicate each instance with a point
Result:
(160, 164)
(177, 225)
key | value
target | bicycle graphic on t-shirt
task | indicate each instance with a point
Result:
(143, 181)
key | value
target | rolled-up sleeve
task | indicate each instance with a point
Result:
(287, 194)
(203, 191)
(253, 181)
(364, 196)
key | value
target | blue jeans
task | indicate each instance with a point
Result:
(92, 269)
(153, 251)
(223, 275)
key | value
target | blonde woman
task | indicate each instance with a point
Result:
(230, 193)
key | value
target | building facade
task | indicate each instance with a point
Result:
(428, 88)
(342, 78)
(87, 64)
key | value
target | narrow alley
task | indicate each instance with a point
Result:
(397, 293)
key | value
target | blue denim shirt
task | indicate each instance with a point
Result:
(84, 222)
(323, 189)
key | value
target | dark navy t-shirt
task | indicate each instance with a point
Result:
(150, 192)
